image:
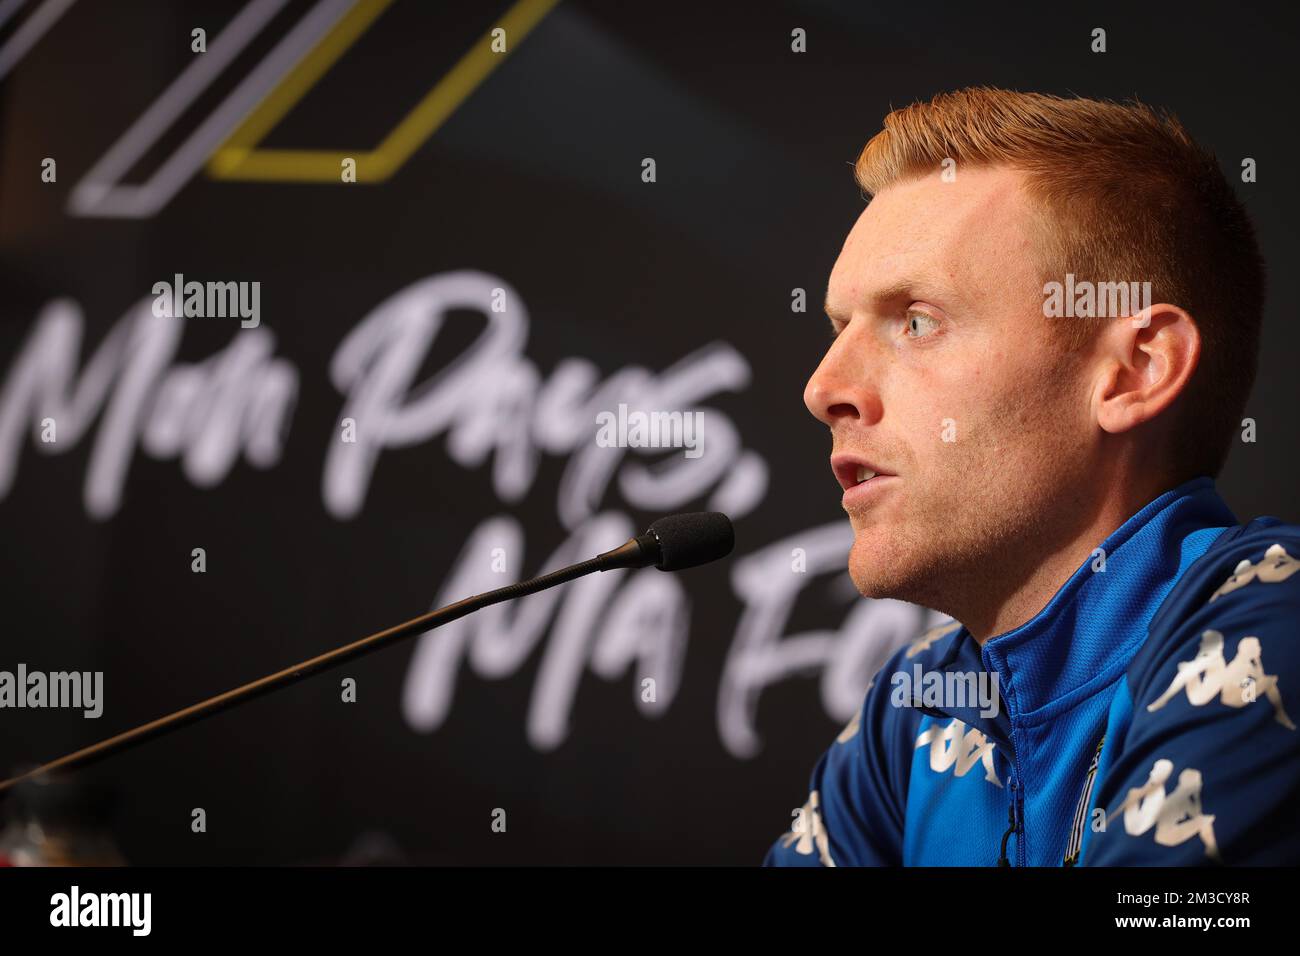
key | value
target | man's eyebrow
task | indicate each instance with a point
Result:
(833, 315)
(903, 288)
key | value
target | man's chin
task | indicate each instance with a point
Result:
(873, 573)
(879, 569)
(874, 585)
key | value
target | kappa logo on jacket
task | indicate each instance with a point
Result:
(808, 832)
(929, 638)
(1276, 565)
(851, 728)
(954, 745)
(1208, 675)
(1177, 816)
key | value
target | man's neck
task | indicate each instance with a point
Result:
(1023, 584)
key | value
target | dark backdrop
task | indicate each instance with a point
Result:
(671, 294)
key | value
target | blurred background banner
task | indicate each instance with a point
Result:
(316, 314)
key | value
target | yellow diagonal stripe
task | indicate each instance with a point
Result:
(237, 158)
(273, 107)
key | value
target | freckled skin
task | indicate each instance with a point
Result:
(1013, 499)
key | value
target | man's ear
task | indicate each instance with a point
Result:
(1146, 361)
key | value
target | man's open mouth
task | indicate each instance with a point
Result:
(852, 470)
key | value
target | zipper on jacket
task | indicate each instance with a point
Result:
(1021, 854)
(1012, 824)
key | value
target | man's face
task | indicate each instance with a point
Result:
(946, 378)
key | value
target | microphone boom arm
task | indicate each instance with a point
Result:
(671, 544)
(340, 655)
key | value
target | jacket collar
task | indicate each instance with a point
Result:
(1089, 631)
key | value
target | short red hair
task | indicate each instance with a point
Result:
(1125, 195)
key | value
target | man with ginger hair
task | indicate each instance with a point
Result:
(1047, 479)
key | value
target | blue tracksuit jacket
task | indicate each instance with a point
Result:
(1145, 717)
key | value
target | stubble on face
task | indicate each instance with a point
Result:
(985, 507)
(972, 513)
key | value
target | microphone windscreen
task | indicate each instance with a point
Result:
(687, 540)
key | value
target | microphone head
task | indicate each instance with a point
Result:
(691, 539)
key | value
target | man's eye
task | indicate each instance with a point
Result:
(919, 324)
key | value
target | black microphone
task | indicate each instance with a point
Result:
(676, 543)
(670, 544)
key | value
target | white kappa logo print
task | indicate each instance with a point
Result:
(851, 728)
(928, 639)
(956, 745)
(1177, 816)
(809, 831)
(1236, 684)
(1275, 566)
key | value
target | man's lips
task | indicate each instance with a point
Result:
(862, 480)
(854, 470)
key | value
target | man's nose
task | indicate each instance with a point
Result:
(842, 386)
